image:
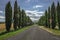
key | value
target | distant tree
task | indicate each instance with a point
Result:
(23, 18)
(49, 16)
(8, 16)
(58, 14)
(26, 20)
(46, 18)
(19, 18)
(15, 15)
(29, 21)
(53, 15)
(42, 20)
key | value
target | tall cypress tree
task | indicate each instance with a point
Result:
(23, 18)
(28, 20)
(53, 15)
(19, 20)
(46, 17)
(58, 14)
(8, 16)
(49, 17)
(18, 17)
(15, 15)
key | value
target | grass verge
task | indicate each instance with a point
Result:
(52, 31)
(10, 34)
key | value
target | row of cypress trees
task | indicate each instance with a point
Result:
(18, 17)
(51, 17)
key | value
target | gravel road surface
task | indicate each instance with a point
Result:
(34, 33)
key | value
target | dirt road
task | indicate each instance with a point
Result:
(34, 33)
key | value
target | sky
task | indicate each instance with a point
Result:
(33, 8)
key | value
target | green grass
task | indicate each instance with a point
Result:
(10, 34)
(53, 31)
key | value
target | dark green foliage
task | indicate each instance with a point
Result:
(29, 22)
(53, 16)
(19, 18)
(23, 12)
(41, 21)
(25, 20)
(49, 15)
(46, 19)
(8, 16)
(15, 15)
(58, 14)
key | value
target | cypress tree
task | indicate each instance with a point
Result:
(23, 18)
(49, 17)
(46, 17)
(8, 16)
(29, 21)
(18, 17)
(15, 15)
(53, 16)
(58, 14)
(19, 20)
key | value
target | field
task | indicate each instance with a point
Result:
(2, 27)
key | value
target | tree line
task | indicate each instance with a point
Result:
(51, 17)
(17, 16)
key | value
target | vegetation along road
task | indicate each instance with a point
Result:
(34, 33)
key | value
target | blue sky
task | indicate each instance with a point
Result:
(33, 8)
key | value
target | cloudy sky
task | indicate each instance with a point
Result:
(33, 8)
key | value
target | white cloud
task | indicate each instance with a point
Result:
(34, 20)
(31, 11)
(37, 6)
(1, 11)
(34, 14)
(2, 17)
(27, 1)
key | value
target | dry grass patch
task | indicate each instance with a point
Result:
(3, 28)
